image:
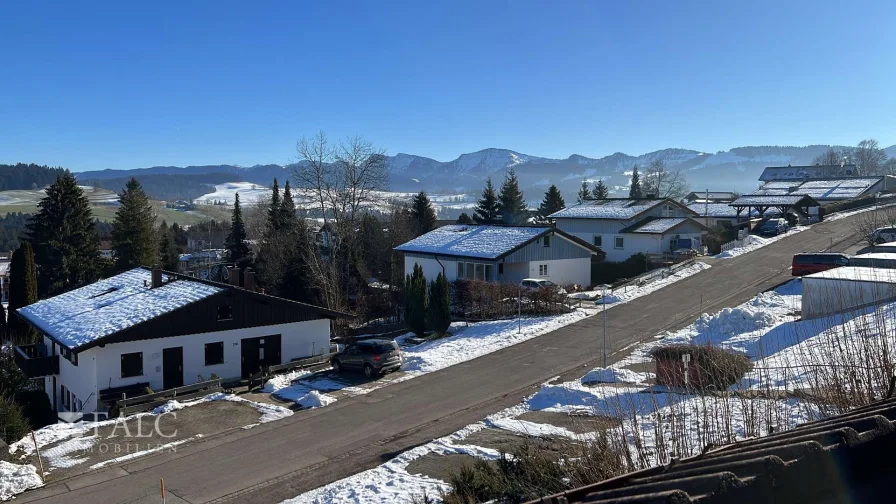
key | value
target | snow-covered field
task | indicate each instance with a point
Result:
(655, 421)
(249, 193)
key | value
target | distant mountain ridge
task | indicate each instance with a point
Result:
(734, 170)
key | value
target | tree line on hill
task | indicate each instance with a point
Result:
(868, 156)
(27, 176)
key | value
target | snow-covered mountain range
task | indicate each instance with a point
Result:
(734, 170)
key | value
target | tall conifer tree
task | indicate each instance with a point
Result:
(133, 230)
(487, 209)
(512, 204)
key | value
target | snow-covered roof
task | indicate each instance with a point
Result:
(608, 209)
(834, 188)
(487, 242)
(858, 274)
(713, 209)
(767, 200)
(803, 172)
(91, 312)
(656, 226)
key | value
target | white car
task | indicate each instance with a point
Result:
(537, 283)
(883, 235)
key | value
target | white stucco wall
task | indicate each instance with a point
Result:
(431, 267)
(563, 271)
(298, 340)
(80, 379)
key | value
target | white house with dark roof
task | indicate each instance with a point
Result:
(145, 328)
(498, 253)
(622, 227)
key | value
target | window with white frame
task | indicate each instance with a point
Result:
(542, 270)
(598, 241)
(477, 271)
(619, 242)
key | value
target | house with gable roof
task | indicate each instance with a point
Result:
(149, 328)
(622, 227)
(501, 253)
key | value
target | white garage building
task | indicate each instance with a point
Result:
(499, 253)
(843, 290)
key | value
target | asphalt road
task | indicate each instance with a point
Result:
(282, 459)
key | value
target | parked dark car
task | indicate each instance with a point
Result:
(373, 357)
(772, 227)
(806, 264)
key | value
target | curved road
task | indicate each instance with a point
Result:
(282, 459)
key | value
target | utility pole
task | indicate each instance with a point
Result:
(604, 300)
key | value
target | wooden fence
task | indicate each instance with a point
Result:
(128, 406)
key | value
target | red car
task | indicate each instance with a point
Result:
(806, 264)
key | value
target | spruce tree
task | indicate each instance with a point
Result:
(133, 230)
(487, 209)
(422, 214)
(62, 233)
(288, 217)
(235, 243)
(464, 219)
(168, 255)
(552, 202)
(415, 301)
(22, 290)
(601, 191)
(584, 193)
(438, 311)
(275, 211)
(512, 204)
(635, 189)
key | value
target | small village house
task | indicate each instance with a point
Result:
(162, 330)
(503, 254)
(622, 227)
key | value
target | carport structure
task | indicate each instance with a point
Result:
(799, 204)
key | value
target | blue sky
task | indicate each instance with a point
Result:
(135, 84)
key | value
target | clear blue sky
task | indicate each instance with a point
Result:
(88, 85)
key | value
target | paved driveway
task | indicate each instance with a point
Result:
(285, 458)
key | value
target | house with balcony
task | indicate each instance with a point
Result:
(622, 227)
(161, 330)
(500, 254)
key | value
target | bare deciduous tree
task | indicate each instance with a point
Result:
(831, 157)
(867, 222)
(869, 157)
(664, 182)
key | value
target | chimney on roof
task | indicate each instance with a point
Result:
(235, 276)
(156, 276)
(249, 279)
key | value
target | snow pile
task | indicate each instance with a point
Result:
(284, 380)
(315, 399)
(754, 242)
(732, 321)
(15, 479)
(614, 375)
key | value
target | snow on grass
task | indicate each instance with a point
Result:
(754, 242)
(391, 482)
(615, 375)
(269, 412)
(15, 479)
(631, 292)
(478, 339)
